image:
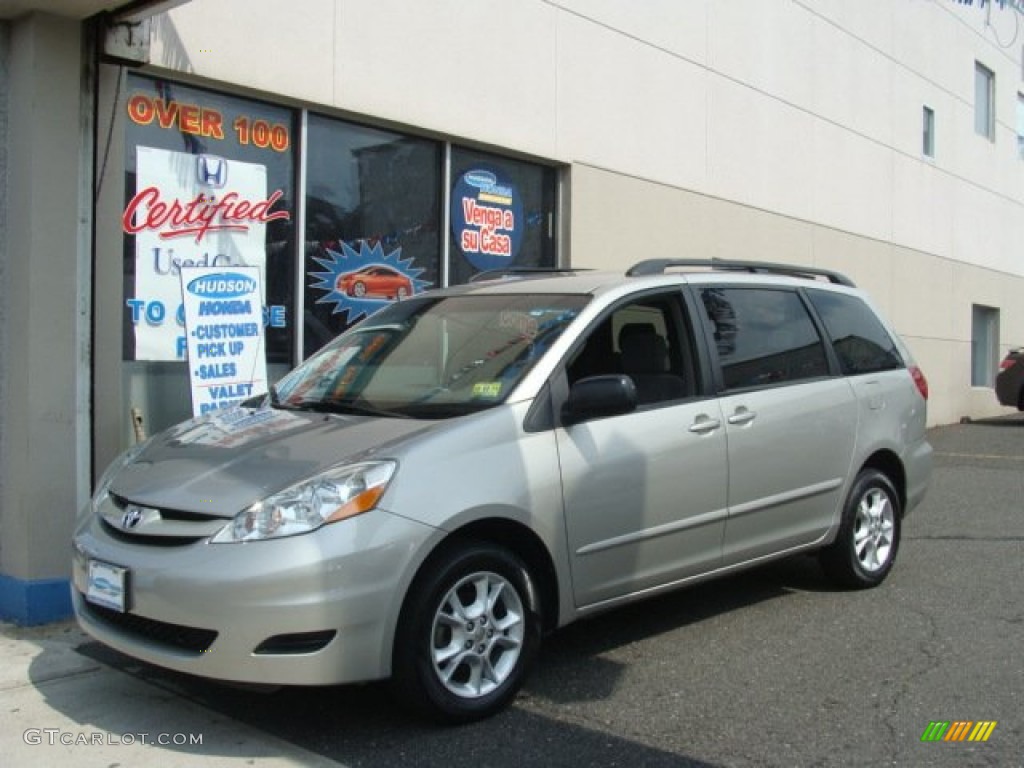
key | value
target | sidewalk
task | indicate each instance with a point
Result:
(62, 708)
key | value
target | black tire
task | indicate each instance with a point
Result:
(869, 536)
(491, 648)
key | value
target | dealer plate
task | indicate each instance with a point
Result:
(107, 585)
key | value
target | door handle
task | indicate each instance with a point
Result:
(742, 416)
(704, 424)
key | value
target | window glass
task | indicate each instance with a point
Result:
(860, 340)
(984, 345)
(928, 132)
(431, 358)
(763, 336)
(642, 339)
(373, 212)
(984, 107)
(502, 214)
(208, 181)
(1020, 125)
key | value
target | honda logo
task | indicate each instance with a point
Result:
(212, 171)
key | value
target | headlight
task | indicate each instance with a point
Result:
(335, 495)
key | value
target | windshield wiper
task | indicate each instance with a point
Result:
(342, 406)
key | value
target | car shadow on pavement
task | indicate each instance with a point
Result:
(361, 725)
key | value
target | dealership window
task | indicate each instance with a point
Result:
(984, 101)
(502, 214)
(376, 231)
(187, 151)
(928, 132)
(984, 345)
(373, 217)
(210, 180)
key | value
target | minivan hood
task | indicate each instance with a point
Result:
(220, 464)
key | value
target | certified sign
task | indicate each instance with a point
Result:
(224, 330)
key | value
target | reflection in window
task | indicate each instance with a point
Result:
(763, 336)
(861, 342)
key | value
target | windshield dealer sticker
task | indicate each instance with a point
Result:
(487, 389)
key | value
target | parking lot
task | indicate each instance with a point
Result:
(773, 667)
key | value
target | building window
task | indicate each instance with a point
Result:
(502, 214)
(373, 204)
(1020, 125)
(928, 132)
(984, 345)
(984, 102)
(209, 181)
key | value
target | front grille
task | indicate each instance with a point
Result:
(159, 527)
(176, 636)
(151, 541)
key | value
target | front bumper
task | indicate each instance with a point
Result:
(314, 609)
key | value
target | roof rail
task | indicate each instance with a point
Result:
(492, 274)
(658, 266)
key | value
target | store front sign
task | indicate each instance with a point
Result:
(224, 330)
(189, 210)
(487, 219)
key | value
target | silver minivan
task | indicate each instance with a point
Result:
(471, 468)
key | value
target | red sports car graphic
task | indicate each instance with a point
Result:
(373, 281)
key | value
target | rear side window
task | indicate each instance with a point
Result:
(860, 340)
(763, 336)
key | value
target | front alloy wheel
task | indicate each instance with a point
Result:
(468, 633)
(478, 634)
(869, 534)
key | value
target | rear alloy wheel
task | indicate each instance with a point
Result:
(869, 535)
(468, 634)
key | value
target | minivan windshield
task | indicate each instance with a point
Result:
(430, 357)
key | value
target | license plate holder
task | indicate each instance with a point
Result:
(107, 585)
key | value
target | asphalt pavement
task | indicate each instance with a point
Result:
(773, 667)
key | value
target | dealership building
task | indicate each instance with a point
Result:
(348, 153)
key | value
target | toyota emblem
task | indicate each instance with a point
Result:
(131, 518)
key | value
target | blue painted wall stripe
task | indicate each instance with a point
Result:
(34, 602)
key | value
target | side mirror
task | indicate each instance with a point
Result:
(598, 396)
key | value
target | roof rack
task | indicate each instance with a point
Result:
(658, 266)
(492, 274)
